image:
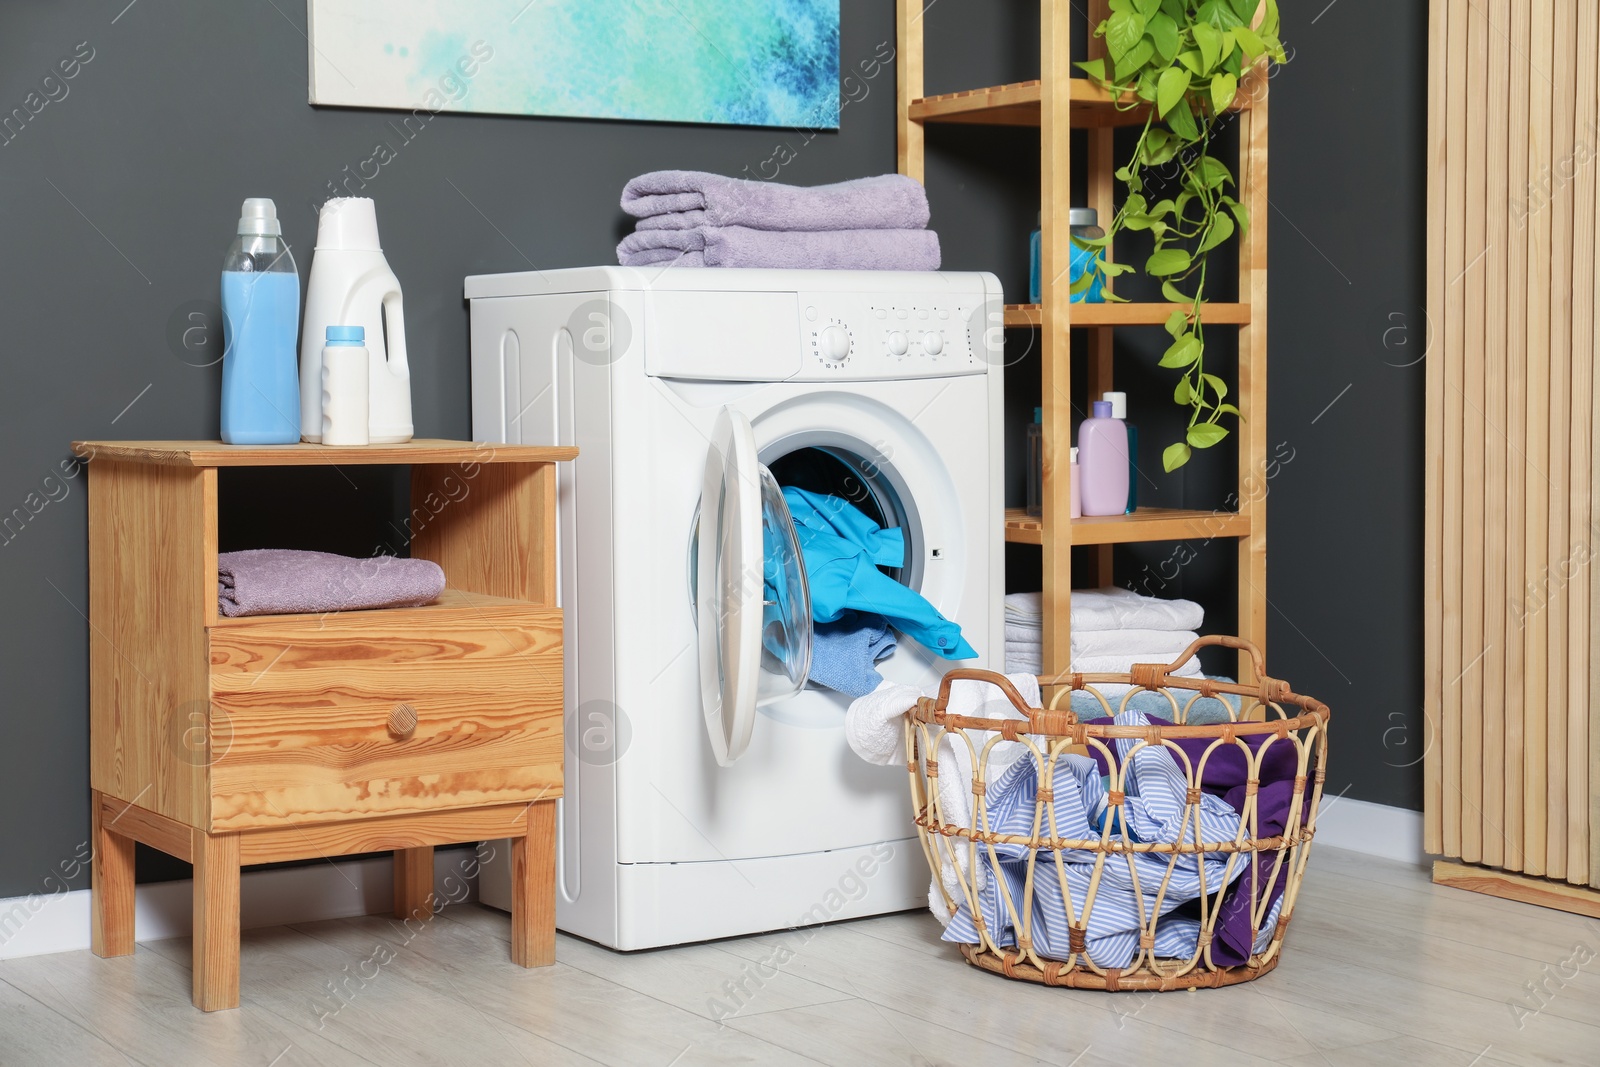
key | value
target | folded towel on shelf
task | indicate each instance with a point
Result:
(1027, 657)
(1157, 645)
(1113, 609)
(741, 246)
(843, 652)
(686, 199)
(283, 581)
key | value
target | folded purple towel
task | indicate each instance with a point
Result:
(685, 199)
(285, 581)
(740, 246)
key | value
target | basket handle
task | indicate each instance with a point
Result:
(994, 678)
(1154, 675)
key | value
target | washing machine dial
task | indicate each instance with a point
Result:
(932, 344)
(834, 343)
(897, 344)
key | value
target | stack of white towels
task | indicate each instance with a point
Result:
(1112, 629)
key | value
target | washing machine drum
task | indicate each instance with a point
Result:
(752, 604)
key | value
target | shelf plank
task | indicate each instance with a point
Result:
(1017, 104)
(217, 454)
(1028, 315)
(1146, 524)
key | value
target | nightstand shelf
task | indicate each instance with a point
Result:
(227, 741)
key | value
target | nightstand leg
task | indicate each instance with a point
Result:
(216, 921)
(413, 883)
(111, 887)
(533, 889)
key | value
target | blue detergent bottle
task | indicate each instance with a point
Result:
(260, 324)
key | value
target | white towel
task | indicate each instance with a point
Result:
(1025, 657)
(1155, 645)
(1113, 609)
(874, 729)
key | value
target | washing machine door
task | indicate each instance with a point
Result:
(752, 605)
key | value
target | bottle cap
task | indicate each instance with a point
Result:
(349, 223)
(1074, 456)
(1118, 402)
(1083, 216)
(259, 218)
(1038, 414)
(347, 335)
(1102, 410)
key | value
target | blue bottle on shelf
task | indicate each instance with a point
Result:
(1085, 223)
(260, 328)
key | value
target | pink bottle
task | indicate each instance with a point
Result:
(1103, 462)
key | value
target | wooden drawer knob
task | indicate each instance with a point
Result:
(402, 722)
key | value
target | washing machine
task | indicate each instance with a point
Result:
(709, 790)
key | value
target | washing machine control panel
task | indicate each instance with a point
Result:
(856, 336)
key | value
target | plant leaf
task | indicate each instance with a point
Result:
(1184, 393)
(1133, 59)
(1183, 352)
(1172, 293)
(1221, 230)
(1249, 43)
(1174, 83)
(1148, 7)
(1209, 41)
(1163, 31)
(1241, 213)
(1123, 30)
(1205, 434)
(1167, 261)
(1176, 323)
(1081, 283)
(1095, 68)
(1193, 61)
(1223, 89)
(1181, 119)
(1218, 386)
(1228, 409)
(1174, 457)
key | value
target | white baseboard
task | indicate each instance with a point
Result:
(59, 922)
(1375, 829)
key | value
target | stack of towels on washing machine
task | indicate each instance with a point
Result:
(1112, 629)
(690, 218)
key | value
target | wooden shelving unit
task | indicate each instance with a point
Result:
(1057, 104)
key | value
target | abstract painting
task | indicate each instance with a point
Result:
(740, 62)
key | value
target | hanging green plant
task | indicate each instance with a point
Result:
(1183, 61)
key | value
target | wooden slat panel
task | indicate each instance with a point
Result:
(1251, 583)
(1433, 450)
(217, 454)
(1491, 743)
(1451, 331)
(1132, 314)
(1535, 691)
(1585, 119)
(908, 15)
(1473, 430)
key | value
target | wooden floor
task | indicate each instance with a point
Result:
(1382, 968)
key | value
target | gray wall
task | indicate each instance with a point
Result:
(117, 200)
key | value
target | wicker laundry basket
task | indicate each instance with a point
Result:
(1273, 731)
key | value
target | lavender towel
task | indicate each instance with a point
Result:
(284, 581)
(686, 199)
(740, 246)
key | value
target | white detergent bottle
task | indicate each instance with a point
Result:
(351, 285)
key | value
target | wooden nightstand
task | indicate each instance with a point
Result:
(277, 737)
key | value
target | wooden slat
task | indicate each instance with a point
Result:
(1535, 692)
(1491, 742)
(1130, 314)
(1251, 389)
(1144, 525)
(1586, 119)
(1454, 266)
(1055, 184)
(145, 826)
(1102, 198)
(216, 920)
(382, 834)
(1019, 104)
(1473, 428)
(1514, 503)
(111, 882)
(1433, 450)
(217, 454)
(1545, 894)
(908, 15)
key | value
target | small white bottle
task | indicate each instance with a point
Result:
(346, 381)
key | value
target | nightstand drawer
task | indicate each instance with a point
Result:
(382, 712)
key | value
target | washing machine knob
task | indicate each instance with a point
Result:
(834, 344)
(897, 343)
(932, 344)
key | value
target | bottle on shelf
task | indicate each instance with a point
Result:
(1084, 223)
(1103, 462)
(260, 320)
(1119, 410)
(1076, 490)
(346, 378)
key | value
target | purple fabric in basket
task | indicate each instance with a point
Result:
(285, 581)
(1225, 775)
